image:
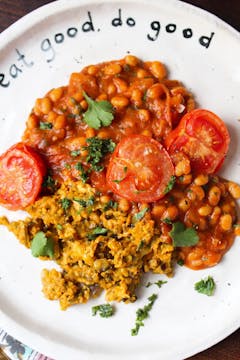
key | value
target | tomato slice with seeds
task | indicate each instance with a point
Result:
(139, 169)
(21, 176)
(202, 136)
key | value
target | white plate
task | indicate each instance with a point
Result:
(39, 52)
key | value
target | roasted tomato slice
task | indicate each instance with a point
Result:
(21, 176)
(139, 169)
(202, 136)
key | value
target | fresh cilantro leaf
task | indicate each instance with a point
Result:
(104, 310)
(170, 184)
(66, 203)
(96, 232)
(97, 148)
(142, 314)
(85, 203)
(45, 125)
(42, 245)
(206, 286)
(140, 215)
(98, 114)
(182, 236)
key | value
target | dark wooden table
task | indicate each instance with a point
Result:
(229, 11)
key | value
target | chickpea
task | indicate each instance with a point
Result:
(92, 70)
(136, 97)
(45, 105)
(183, 167)
(78, 96)
(158, 70)
(123, 205)
(184, 204)
(84, 104)
(201, 180)
(144, 115)
(131, 60)
(198, 190)
(111, 89)
(120, 84)
(56, 94)
(112, 69)
(214, 195)
(32, 122)
(119, 101)
(226, 222)
(158, 210)
(60, 122)
(214, 218)
(141, 73)
(185, 179)
(205, 210)
(155, 91)
(90, 132)
(170, 213)
(234, 189)
(104, 199)
(101, 97)
(103, 134)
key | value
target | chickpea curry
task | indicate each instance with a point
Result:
(118, 173)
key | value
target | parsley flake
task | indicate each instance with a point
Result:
(66, 203)
(142, 314)
(206, 286)
(97, 148)
(159, 283)
(98, 114)
(140, 215)
(41, 245)
(170, 184)
(104, 310)
(45, 125)
(96, 232)
(183, 236)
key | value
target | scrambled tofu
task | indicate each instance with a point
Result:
(96, 245)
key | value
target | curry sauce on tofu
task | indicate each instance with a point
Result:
(118, 174)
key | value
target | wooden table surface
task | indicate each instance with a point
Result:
(229, 11)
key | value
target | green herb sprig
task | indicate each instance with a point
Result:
(142, 314)
(98, 114)
(104, 310)
(42, 245)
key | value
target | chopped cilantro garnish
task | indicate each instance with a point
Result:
(97, 148)
(83, 172)
(66, 203)
(98, 114)
(140, 215)
(42, 245)
(183, 236)
(140, 245)
(75, 153)
(110, 205)
(104, 310)
(180, 262)
(143, 314)
(49, 183)
(96, 232)
(170, 184)
(85, 203)
(45, 125)
(206, 286)
(159, 283)
(167, 221)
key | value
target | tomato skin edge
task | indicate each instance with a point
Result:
(28, 154)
